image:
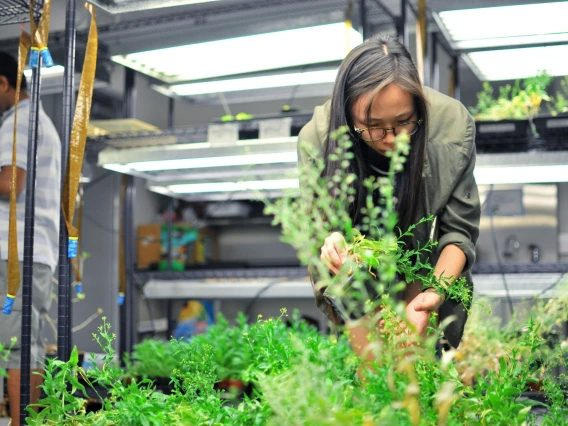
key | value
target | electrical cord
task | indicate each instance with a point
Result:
(260, 293)
(97, 180)
(554, 284)
(148, 305)
(496, 249)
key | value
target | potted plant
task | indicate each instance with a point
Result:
(503, 124)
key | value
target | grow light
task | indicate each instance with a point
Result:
(522, 174)
(536, 23)
(253, 185)
(282, 49)
(199, 163)
(147, 161)
(250, 83)
(123, 6)
(509, 64)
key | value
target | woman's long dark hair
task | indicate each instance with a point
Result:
(369, 68)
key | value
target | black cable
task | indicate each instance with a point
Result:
(97, 180)
(260, 293)
(148, 305)
(554, 284)
(496, 248)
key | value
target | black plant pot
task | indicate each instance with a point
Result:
(552, 132)
(503, 136)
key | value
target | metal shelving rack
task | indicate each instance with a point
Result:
(18, 11)
(14, 12)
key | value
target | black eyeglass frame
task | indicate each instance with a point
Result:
(386, 129)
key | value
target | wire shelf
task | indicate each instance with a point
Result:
(18, 11)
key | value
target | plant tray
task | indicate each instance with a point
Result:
(502, 136)
(553, 132)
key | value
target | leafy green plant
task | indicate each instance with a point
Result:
(559, 103)
(513, 102)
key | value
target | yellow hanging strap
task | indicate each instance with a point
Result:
(13, 262)
(421, 38)
(76, 262)
(79, 137)
(121, 263)
(40, 35)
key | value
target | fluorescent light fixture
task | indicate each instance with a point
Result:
(251, 83)
(282, 49)
(521, 174)
(506, 25)
(255, 185)
(123, 6)
(510, 64)
(199, 163)
(54, 71)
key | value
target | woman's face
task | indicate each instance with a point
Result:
(390, 107)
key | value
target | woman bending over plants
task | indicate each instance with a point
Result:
(377, 96)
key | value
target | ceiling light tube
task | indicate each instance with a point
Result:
(199, 163)
(257, 185)
(522, 174)
(510, 64)
(254, 83)
(261, 52)
(490, 26)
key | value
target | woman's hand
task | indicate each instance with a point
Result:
(334, 252)
(419, 309)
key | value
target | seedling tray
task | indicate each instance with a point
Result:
(502, 136)
(553, 132)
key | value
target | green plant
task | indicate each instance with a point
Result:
(559, 103)
(513, 102)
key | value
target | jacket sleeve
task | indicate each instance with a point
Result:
(312, 137)
(459, 221)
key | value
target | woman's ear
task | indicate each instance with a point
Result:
(4, 84)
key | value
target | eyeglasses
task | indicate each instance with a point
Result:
(376, 133)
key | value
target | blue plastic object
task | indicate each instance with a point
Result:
(120, 299)
(34, 58)
(72, 247)
(8, 305)
(46, 58)
(79, 291)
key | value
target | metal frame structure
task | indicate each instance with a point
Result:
(17, 11)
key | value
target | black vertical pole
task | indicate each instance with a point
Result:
(171, 111)
(129, 261)
(28, 271)
(403, 23)
(434, 66)
(170, 257)
(456, 71)
(64, 288)
(363, 19)
(127, 309)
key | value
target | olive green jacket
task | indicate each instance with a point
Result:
(450, 190)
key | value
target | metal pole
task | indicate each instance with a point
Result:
(456, 70)
(126, 310)
(170, 257)
(129, 106)
(403, 24)
(64, 288)
(363, 19)
(129, 260)
(171, 111)
(28, 268)
(434, 66)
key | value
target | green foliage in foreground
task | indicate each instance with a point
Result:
(303, 378)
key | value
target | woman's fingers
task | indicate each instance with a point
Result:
(334, 252)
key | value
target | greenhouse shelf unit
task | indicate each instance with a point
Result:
(11, 12)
